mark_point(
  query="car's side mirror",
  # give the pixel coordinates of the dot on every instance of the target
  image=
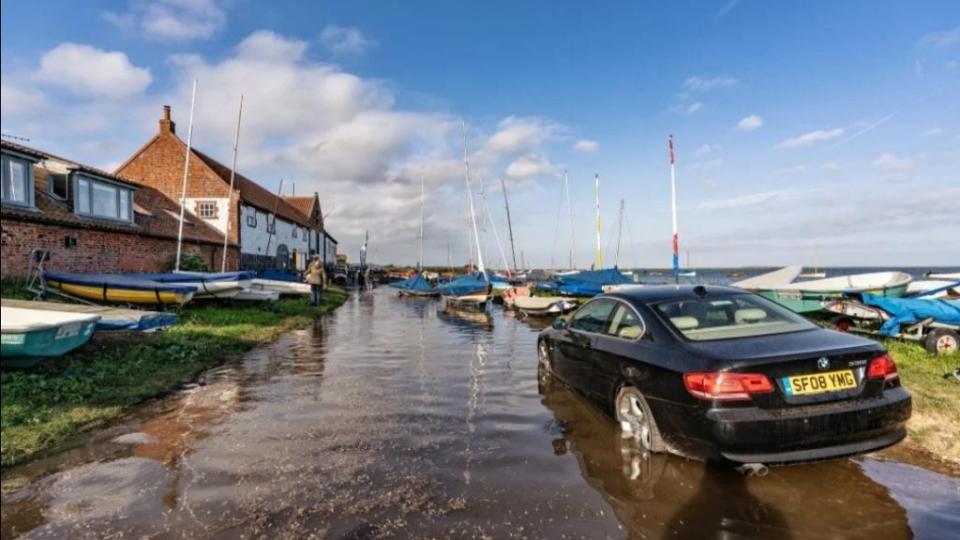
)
(559, 323)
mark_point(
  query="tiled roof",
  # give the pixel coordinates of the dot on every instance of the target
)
(303, 204)
(160, 220)
(33, 152)
(253, 194)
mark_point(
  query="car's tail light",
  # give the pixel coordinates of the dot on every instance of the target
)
(724, 386)
(882, 367)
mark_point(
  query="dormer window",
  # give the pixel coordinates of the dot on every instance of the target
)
(57, 185)
(101, 199)
(17, 176)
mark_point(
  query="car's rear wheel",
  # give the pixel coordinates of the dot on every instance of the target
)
(942, 341)
(636, 420)
(544, 369)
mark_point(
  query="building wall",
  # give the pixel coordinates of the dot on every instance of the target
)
(254, 240)
(95, 251)
(223, 209)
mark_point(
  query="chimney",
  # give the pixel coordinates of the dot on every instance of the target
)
(166, 124)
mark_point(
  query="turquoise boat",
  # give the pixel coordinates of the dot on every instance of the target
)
(27, 336)
(810, 296)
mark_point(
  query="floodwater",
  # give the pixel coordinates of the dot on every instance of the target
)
(391, 419)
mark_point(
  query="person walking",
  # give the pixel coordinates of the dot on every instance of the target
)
(316, 276)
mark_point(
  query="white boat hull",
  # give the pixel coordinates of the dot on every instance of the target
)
(280, 287)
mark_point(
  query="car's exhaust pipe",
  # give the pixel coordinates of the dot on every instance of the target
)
(753, 469)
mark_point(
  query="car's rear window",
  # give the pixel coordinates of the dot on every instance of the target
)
(735, 316)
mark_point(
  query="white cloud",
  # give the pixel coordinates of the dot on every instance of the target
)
(742, 201)
(812, 137)
(687, 109)
(517, 134)
(15, 100)
(705, 83)
(706, 149)
(890, 163)
(530, 166)
(85, 70)
(345, 40)
(941, 38)
(269, 46)
(749, 123)
(586, 146)
(933, 132)
(171, 20)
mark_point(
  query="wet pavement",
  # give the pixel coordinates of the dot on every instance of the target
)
(393, 419)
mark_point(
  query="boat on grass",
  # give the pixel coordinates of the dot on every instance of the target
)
(29, 335)
(770, 280)
(111, 318)
(208, 284)
(281, 287)
(120, 288)
(809, 296)
(934, 288)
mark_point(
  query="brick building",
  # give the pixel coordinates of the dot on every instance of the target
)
(272, 232)
(91, 220)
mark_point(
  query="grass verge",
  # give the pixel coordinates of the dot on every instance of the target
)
(44, 407)
(935, 423)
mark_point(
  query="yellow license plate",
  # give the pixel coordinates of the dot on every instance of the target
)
(818, 383)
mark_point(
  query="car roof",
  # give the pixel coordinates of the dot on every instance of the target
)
(651, 294)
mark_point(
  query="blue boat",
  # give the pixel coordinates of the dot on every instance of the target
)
(587, 283)
(465, 292)
(415, 286)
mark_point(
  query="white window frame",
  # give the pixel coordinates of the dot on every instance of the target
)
(252, 218)
(212, 206)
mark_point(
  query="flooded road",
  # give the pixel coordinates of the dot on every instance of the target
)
(391, 419)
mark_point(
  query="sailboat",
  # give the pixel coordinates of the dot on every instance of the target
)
(816, 274)
(418, 284)
(468, 292)
(689, 272)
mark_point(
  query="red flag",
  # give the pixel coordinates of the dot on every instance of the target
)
(670, 143)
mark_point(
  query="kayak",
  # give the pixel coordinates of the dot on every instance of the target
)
(119, 288)
(29, 335)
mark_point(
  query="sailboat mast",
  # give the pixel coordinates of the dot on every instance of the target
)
(186, 175)
(599, 258)
(573, 236)
(473, 214)
(673, 207)
(233, 174)
(420, 258)
(619, 234)
(506, 203)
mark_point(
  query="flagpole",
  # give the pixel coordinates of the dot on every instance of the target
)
(233, 173)
(673, 206)
(186, 174)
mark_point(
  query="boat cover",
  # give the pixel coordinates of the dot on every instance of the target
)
(463, 286)
(911, 310)
(117, 281)
(590, 283)
(489, 276)
(417, 283)
(194, 277)
(278, 275)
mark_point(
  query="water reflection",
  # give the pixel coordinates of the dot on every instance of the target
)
(658, 496)
(395, 418)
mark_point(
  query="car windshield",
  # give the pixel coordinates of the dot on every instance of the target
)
(738, 316)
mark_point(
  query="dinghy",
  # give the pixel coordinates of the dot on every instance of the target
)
(809, 296)
(588, 283)
(29, 335)
(465, 292)
(544, 305)
(934, 288)
(111, 318)
(770, 280)
(208, 285)
(280, 287)
(415, 286)
(119, 288)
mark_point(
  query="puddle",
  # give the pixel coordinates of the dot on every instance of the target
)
(389, 419)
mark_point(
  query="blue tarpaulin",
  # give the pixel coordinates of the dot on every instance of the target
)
(590, 283)
(463, 285)
(417, 284)
(910, 311)
(116, 281)
(195, 277)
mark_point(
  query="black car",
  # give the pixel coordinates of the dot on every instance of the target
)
(718, 373)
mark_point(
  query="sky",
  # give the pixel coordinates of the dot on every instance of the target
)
(827, 127)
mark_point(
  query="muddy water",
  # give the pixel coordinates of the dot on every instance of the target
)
(391, 419)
